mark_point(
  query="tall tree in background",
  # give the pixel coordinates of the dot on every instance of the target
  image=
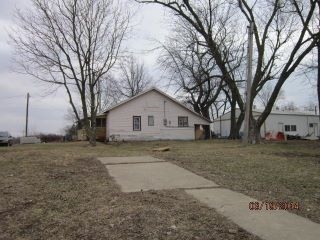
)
(285, 32)
(265, 93)
(198, 70)
(73, 44)
(283, 37)
(191, 69)
(131, 79)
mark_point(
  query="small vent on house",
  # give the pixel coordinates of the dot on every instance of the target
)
(165, 122)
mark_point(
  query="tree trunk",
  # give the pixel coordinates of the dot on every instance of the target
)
(254, 131)
(233, 120)
(239, 124)
(93, 132)
(93, 116)
(205, 112)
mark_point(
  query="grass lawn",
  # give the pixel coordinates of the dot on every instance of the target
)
(60, 191)
(271, 172)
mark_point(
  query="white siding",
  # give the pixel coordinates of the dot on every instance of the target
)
(275, 122)
(120, 119)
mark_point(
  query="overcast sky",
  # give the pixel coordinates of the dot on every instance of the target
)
(47, 112)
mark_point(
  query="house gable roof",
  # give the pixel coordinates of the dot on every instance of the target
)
(162, 93)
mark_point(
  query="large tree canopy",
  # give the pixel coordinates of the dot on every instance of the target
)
(285, 32)
(74, 44)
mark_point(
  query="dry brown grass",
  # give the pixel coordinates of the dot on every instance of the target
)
(285, 172)
(60, 191)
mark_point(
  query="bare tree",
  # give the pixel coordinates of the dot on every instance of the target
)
(265, 94)
(289, 106)
(131, 79)
(192, 70)
(195, 69)
(311, 106)
(73, 44)
(285, 32)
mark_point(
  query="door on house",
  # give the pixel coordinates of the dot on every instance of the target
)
(280, 127)
(198, 132)
(201, 132)
(313, 129)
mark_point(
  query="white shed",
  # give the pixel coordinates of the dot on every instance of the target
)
(289, 122)
(153, 115)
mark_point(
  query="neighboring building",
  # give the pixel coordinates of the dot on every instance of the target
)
(288, 122)
(154, 115)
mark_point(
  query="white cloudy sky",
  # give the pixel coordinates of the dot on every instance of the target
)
(47, 112)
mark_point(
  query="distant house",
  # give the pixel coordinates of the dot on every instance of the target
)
(154, 115)
(288, 122)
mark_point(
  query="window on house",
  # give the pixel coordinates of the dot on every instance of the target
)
(183, 122)
(136, 123)
(293, 128)
(150, 121)
(100, 122)
(290, 128)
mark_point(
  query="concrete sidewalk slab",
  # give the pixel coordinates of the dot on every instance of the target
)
(267, 224)
(155, 176)
(124, 160)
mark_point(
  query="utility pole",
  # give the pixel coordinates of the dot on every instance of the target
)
(27, 114)
(246, 136)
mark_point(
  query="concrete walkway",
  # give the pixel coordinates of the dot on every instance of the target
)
(267, 224)
(134, 174)
(148, 173)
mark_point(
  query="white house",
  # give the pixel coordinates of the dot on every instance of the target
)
(153, 115)
(288, 122)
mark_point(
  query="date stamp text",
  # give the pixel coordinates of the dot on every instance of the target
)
(274, 206)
